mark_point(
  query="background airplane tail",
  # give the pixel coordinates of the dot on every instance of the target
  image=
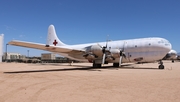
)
(52, 38)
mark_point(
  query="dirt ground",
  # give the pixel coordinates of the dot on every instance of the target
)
(21, 82)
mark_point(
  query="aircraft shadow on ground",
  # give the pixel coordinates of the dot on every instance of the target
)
(80, 69)
(54, 64)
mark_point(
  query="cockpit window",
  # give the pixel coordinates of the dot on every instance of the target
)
(163, 41)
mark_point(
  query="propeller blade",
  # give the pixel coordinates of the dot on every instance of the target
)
(120, 61)
(120, 58)
(103, 51)
(106, 44)
(99, 45)
(124, 55)
(103, 60)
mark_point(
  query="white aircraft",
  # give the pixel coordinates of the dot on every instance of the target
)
(171, 55)
(178, 56)
(116, 52)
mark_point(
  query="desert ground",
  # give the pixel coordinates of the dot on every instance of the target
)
(44, 82)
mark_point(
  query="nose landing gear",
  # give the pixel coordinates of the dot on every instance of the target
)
(161, 66)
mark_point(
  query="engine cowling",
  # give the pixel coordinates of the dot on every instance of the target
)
(90, 56)
(94, 49)
(115, 53)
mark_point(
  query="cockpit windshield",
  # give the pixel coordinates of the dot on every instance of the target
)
(164, 41)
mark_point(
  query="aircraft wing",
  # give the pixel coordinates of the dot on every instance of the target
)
(56, 49)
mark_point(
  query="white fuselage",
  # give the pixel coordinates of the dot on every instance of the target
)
(136, 50)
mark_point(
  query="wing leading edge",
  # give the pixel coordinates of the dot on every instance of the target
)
(56, 49)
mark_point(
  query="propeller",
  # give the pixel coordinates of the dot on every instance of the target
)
(120, 59)
(104, 52)
(122, 54)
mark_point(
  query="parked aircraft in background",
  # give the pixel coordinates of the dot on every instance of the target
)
(116, 52)
(171, 55)
(178, 56)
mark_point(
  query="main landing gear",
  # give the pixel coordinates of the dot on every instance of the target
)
(161, 66)
(96, 65)
(115, 64)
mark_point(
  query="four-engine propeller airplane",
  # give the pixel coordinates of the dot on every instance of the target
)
(116, 52)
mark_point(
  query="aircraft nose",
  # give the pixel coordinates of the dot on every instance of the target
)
(170, 46)
(167, 45)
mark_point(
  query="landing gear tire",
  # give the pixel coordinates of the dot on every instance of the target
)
(115, 64)
(161, 66)
(172, 61)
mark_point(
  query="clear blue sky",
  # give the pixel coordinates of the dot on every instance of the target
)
(83, 21)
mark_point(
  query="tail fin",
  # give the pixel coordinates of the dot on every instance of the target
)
(52, 38)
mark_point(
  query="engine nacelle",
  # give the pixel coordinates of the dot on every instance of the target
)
(115, 53)
(90, 56)
(109, 58)
(95, 49)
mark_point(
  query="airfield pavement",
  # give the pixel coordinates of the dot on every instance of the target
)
(60, 82)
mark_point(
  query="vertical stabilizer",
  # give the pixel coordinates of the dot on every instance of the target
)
(52, 38)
